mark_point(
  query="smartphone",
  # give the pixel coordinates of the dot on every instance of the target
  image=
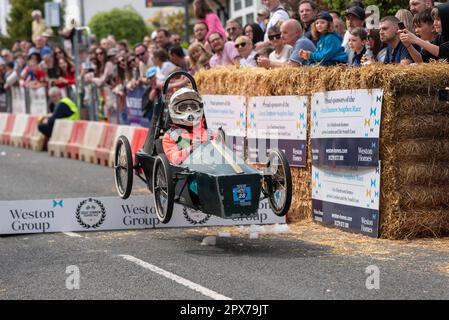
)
(443, 95)
(401, 25)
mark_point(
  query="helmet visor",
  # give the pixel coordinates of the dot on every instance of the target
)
(187, 106)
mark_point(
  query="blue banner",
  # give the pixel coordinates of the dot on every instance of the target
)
(133, 108)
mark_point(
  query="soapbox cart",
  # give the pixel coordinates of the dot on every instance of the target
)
(224, 185)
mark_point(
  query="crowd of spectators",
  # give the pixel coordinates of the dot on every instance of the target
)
(418, 34)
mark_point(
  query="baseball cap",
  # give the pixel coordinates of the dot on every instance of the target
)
(151, 72)
(357, 12)
(263, 12)
(325, 16)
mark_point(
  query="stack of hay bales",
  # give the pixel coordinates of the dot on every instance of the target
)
(414, 138)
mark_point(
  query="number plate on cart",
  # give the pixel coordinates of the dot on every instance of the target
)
(242, 194)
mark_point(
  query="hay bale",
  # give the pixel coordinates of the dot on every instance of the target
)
(417, 223)
(420, 104)
(423, 126)
(422, 151)
(414, 138)
(424, 197)
(424, 174)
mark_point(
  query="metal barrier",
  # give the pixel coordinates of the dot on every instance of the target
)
(99, 103)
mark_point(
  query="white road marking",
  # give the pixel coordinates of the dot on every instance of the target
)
(189, 284)
(72, 234)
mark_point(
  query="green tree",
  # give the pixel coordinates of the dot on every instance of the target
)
(386, 7)
(174, 22)
(123, 23)
(19, 21)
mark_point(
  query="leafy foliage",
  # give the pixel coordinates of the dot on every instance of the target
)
(172, 21)
(123, 23)
(19, 22)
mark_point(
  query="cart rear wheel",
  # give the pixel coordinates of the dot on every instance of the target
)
(163, 188)
(123, 167)
(279, 182)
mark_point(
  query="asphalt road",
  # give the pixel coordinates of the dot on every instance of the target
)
(172, 263)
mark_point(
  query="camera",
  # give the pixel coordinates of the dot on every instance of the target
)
(443, 95)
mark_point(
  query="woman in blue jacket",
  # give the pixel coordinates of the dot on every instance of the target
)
(329, 51)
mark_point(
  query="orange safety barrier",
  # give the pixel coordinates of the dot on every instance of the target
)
(32, 131)
(18, 130)
(76, 139)
(6, 135)
(29, 130)
(92, 137)
(138, 141)
(106, 144)
(127, 131)
(62, 131)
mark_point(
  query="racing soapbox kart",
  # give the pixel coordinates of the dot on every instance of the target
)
(225, 186)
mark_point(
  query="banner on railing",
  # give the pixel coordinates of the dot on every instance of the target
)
(3, 107)
(18, 100)
(38, 101)
(133, 107)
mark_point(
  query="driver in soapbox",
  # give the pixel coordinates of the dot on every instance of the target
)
(188, 130)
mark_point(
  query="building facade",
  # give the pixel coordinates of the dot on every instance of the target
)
(5, 7)
(244, 11)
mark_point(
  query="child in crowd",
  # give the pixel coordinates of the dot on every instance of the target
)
(424, 29)
(329, 51)
(357, 43)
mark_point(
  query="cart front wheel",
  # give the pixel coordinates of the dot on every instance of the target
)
(123, 167)
(163, 188)
(278, 183)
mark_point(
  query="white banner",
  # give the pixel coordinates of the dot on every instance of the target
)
(109, 213)
(356, 187)
(346, 114)
(278, 122)
(38, 101)
(282, 117)
(227, 112)
(18, 100)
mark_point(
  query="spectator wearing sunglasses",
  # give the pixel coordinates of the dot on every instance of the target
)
(292, 34)
(233, 30)
(282, 51)
(225, 52)
(145, 61)
(277, 14)
(244, 46)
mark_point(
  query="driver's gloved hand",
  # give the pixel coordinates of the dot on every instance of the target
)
(196, 142)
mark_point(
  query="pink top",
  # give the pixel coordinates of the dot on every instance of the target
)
(226, 57)
(213, 24)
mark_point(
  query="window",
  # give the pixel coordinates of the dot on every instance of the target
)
(239, 20)
(250, 18)
(248, 3)
(237, 5)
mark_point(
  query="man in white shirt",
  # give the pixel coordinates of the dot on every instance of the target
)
(277, 13)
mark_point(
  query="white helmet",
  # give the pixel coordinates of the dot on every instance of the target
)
(186, 107)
